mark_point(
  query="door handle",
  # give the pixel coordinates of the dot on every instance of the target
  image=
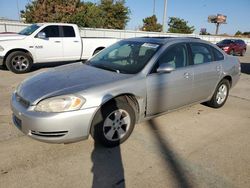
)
(218, 68)
(186, 75)
(57, 41)
(76, 41)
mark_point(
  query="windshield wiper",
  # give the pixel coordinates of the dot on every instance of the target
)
(101, 66)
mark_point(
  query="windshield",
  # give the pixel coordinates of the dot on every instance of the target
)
(29, 30)
(226, 42)
(128, 57)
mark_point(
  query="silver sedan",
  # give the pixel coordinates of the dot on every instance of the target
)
(131, 81)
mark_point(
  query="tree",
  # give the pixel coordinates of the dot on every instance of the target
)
(107, 14)
(178, 25)
(238, 33)
(50, 10)
(114, 13)
(150, 24)
(90, 15)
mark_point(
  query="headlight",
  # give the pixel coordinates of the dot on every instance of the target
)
(62, 103)
(1, 49)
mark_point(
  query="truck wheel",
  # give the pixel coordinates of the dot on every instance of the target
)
(3, 67)
(113, 123)
(243, 52)
(231, 52)
(97, 50)
(19, 62)
(220, 95)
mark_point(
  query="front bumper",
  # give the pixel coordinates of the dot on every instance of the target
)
(63, 127)
(1, 60)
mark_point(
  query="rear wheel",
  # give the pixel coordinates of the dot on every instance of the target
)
(231, 52)
(220, 95)
(19, 62)
(113, 123)
(97, 50)
(243, 52)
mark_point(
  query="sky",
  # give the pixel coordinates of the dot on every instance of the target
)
(193, 11)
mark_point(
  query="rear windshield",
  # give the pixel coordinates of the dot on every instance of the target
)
(226, 42)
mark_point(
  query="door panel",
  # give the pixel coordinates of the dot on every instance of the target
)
(206, 71)
(206, 77)
(72, 45)
(169, 90)
(49, 49)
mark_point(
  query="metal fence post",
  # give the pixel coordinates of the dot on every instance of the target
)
(5, 27)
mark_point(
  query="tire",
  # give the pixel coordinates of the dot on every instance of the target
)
(220, 95)
(3, 67)
(232, 52)
(113, 123)
(19, 62)
(97, 51)
(243, 52)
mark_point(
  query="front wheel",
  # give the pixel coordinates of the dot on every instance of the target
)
(220, 95)
(113, 123)
(19, 62)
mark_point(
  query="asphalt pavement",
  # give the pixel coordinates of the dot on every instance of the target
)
(193, 147)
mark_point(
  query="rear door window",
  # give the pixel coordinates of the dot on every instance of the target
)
(218, 56)
(68, 31)
(201, 53)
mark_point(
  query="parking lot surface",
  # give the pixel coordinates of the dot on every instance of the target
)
(193, 147)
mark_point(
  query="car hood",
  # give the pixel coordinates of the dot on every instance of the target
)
(6, 37)
(65, 80)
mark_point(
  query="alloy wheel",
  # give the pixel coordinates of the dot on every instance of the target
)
(221, 94)
(20, 63)
(116, 125)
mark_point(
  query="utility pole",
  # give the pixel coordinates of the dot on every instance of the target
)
(164, 27)
(18, 11)
(154, 8)
(217, 28)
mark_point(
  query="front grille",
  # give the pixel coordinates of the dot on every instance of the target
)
(22, 101)
(17, 122)
(49, 134)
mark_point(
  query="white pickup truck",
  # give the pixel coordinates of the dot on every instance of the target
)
(47, 42)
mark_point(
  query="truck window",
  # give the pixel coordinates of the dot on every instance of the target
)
(51, 31)
(68, 31)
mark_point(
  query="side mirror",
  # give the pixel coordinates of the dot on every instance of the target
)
(41, 35)
(165, 68)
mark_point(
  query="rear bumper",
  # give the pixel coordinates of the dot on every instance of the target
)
(63, 127)
(1, 60)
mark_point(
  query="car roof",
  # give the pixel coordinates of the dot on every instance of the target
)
(163, 40)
